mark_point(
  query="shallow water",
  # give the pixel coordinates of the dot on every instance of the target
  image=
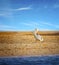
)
(34, 60)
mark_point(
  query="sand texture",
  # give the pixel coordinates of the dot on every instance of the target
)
(25, 44)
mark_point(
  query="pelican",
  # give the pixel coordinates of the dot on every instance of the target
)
(38, 37)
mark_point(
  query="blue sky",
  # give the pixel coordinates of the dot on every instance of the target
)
(26, 15)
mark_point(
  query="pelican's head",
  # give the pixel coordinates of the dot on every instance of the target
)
(36, 30)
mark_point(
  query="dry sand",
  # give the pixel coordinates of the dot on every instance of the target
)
(25, 44)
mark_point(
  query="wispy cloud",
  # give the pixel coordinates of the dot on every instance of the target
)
(23, 8)
(6, 26)
(40, 25)
(30, 23)
(56, 6)
(50, 24)
(45, 29)
(2, 14)
(9, 12)
(5, 13)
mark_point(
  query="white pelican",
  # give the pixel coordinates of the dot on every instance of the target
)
(38, 37)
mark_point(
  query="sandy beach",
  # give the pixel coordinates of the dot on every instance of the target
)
(25, 44)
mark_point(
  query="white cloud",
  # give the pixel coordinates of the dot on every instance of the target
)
(23, 8)
(9, 12)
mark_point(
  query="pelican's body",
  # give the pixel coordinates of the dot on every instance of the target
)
(38, 37)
